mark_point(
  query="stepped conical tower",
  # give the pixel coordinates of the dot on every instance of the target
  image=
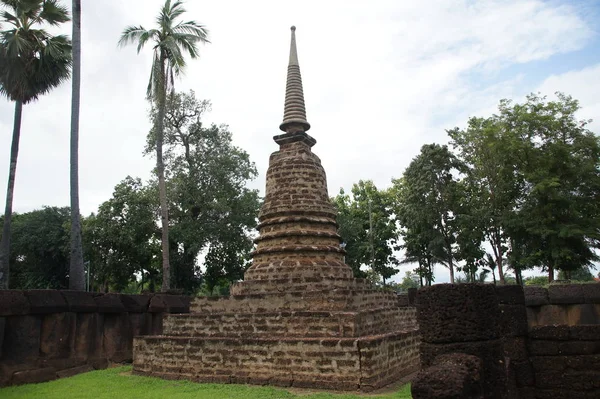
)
(299, 318)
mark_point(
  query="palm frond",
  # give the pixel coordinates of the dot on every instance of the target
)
(11, 19)
(193, 28)
(155, 82)
(173, 54)
(53, 13)
(187, 43)
(131, 34)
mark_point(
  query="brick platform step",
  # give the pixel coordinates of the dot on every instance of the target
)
(291, 324)
(281, 285)
(324, 300)
(364, 363)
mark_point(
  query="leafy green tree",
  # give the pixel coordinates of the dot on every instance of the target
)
(410, 280)
(121, 240)
(32, 62)
(368, 228)
(171, 40)
(40, 249)
(488, 150)
(581, 274)
(558, 219)
(351, 229)
(76, 273)
(211, 208)
(427, 200)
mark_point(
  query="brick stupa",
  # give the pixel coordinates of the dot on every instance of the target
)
(299, 318)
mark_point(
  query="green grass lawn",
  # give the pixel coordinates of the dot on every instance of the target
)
(117, 383)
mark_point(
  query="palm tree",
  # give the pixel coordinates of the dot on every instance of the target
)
(32, 62)
(170, 41)
(76, 276)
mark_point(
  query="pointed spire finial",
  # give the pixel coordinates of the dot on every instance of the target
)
(294, 115)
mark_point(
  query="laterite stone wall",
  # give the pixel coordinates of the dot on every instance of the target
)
(48, 334)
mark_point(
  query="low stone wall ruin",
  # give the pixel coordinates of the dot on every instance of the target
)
(532, 343)
(569, 304)
(47, 334)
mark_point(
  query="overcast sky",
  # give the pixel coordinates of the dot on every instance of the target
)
(381, 78)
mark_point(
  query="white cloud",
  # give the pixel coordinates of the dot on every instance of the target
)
(380, 81)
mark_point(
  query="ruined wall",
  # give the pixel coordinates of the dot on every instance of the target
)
(460, 319)
(47, 334)
(569, 304)
(566, 361)
(545, 341)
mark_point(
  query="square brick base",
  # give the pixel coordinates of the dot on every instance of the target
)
(347, 364)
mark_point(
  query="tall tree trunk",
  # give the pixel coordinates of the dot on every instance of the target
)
(76, 273)
(451, 267)
(499, 255)
(550, 273)
(162, 188)
(5, 242)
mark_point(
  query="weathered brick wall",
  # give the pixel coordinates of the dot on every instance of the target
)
(309, 300)
(291, 324)
(566, 361)
(331, 363)
(46, 334)
(569, 304)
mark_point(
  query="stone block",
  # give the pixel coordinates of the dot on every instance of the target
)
(136, 303)
(523, 372)
(573, 380)
(173, 303)
(109, 303)
(554, 333)
(458, 313)
(118, 337)
(99, 363)
(89, 332)
(157, 304)
(403, 300)
(61, 363)
(543, 347)
(510, 294)
(74, 371)
(591, 292)
(412, 296)
(579, 347)
(536, 296)
(45, 301)
(80, 301)
(21, 339)
(452, 376)
(157, 324)
(141, 323)
(550, 315)
(585, 332)
(515, 348)
(566, 294)
(57, 337)
(34, 376)
(513, 320)
(13, 303)
(585, 313)
(583, 362)
(491, 354)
